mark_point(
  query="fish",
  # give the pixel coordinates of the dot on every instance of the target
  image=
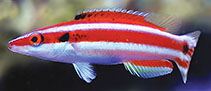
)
(140, 41)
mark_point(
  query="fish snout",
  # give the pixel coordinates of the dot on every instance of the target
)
(10, 47)
(10, 44)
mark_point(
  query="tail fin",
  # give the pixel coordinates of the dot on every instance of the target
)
(192, 38)
(183, 64)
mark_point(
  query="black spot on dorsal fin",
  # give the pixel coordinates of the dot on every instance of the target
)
(81, 16)
(77, 17)
(64, 37)
(89, 15)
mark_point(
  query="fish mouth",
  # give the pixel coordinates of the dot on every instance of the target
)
(17, 49)
(10, 45)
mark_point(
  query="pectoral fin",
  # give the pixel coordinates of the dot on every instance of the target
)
(149, 68)
(85, 71)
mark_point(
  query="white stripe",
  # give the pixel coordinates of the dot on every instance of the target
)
(107, 26)
(131, 47)
(110, 26)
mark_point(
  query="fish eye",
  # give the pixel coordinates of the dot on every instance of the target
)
(36, 39)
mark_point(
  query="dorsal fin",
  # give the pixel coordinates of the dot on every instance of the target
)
(114, 10)
(170, 23)
(119, 15)
(116, 16)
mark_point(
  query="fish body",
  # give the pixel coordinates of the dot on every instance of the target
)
(112, 36)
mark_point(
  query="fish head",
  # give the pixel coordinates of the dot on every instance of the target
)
(38, 45)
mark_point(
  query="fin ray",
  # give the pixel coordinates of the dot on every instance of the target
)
(85, 71)
(119, 15)
(170, 23)
(161, 22)
(149, 68)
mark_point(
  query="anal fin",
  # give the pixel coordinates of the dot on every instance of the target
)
(149, 68)
(85, 71)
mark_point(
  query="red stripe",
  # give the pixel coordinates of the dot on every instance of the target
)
(116, 36)
(21, 42)
(127, 37)
(190, 51)
(52, 37)
(182, 63)
(152, 63)
(110, 36)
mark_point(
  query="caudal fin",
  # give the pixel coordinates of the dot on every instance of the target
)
(192, 38)
(183, 64)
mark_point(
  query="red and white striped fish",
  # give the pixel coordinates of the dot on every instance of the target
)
(112, 36)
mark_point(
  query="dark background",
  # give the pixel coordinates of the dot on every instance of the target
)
(23, 73)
